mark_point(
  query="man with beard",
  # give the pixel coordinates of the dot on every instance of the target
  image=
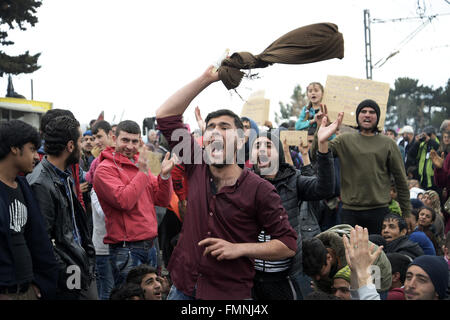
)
(66, 220)
(427, 279)
(367, 161)
(227, 208)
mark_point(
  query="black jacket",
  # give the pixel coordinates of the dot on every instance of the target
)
(56, 209)
(404, 246)
(294, 188)
(45, 269)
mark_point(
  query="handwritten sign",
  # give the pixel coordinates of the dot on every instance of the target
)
(293, 137)
(345, 93)
(154, 162)
(257, 108)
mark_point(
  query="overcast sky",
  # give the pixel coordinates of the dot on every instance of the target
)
(127, 57)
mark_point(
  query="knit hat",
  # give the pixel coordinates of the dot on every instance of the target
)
(437, 270)
(344, 273)
(371, 104)
(429, 130)
(87, 133)
(408, 129)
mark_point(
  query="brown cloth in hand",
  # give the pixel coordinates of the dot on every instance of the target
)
(312, 43)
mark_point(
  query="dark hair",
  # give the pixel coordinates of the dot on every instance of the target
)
(102, 124)
(320, 295)
(314, 256)
(138, 273)
(58, 132)
(126, 292)
(225, 112)
(311, 131)
(399, 263)
(400, 221)
(16, 133)
(128, 126)
(284, 125)
(377, 239)
(433, 213)
(393, 131)
(52, 114)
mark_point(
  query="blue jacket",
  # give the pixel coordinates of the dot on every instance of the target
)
(45, 268)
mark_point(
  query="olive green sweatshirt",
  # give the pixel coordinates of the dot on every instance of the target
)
(366, 165)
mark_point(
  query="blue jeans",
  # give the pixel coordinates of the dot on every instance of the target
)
(126, 258)
(175, 294)
(104, 276)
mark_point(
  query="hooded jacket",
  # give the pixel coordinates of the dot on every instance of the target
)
(128, 197)
(404, 246)
(294, 188)
(332, 238)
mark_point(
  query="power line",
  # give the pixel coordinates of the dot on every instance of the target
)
(375, 20)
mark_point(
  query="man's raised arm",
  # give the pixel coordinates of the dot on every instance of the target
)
(180, 100)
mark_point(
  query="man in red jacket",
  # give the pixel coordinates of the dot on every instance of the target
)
(128, 192)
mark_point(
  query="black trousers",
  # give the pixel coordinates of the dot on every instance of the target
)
(371, 219)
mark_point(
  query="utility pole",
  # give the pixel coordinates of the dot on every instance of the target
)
(368, 44)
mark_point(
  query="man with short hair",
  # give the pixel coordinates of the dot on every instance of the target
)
(28, 268)
(66, 219)
(87, 144)
(226, 210)
(324, 255)
(102, 133)
(394, 231)
(128, 193)
(427, 279)
(146, 277)
(391, 133)
(367, 161)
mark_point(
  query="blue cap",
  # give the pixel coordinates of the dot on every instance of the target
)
(87, 133)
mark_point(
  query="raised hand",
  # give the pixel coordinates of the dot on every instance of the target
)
(437, 161)
(201, 123)
(326, 131)
(360, 255)
(211, 74)
(168, 164)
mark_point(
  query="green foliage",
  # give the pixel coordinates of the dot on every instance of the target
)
(17, 14)
(292, 109)
(417, 105)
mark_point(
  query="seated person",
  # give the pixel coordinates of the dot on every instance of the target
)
(394, 231)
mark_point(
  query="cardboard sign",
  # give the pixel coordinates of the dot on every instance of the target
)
(345, 93)
(293, 137)
(257, 108)
(154, 162)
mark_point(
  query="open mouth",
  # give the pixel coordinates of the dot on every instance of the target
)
(263, 160)
(216, 148)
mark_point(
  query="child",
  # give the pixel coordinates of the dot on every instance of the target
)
(314, 92)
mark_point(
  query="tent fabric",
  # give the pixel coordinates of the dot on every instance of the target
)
(311, 43)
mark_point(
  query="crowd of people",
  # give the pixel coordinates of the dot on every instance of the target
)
(233, 212)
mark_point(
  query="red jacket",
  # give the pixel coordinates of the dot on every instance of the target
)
(128, 197)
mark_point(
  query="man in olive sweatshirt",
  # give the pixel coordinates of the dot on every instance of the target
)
(368, 161)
